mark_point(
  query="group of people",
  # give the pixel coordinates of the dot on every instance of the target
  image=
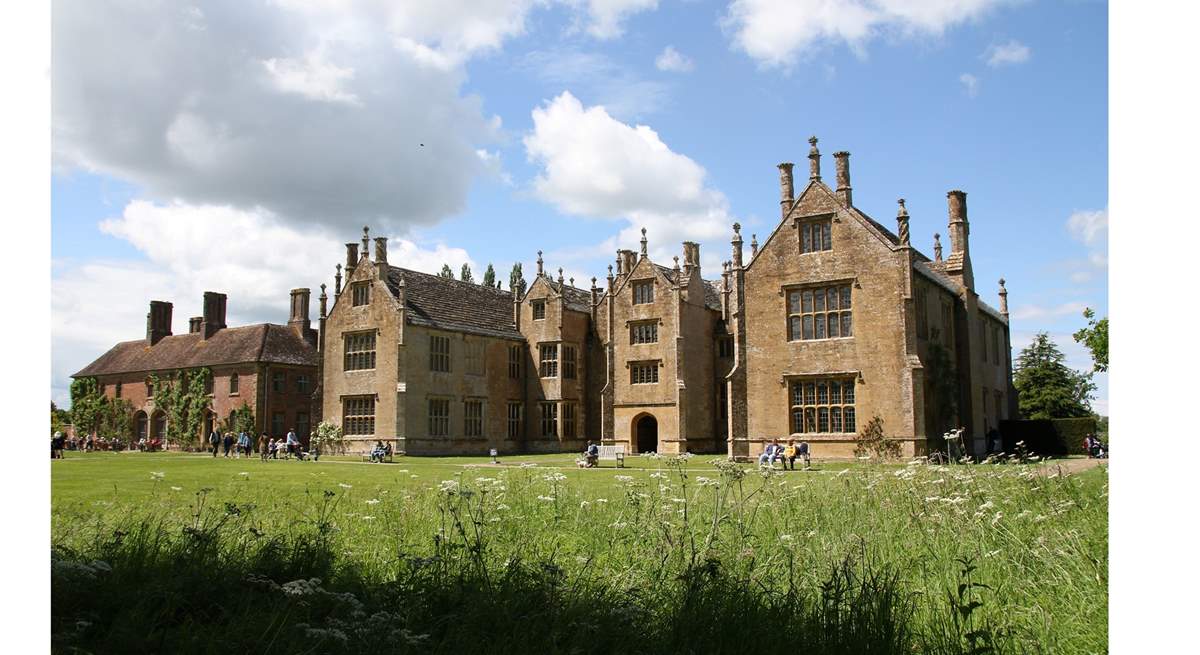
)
(268, 447)
(381, 451)
(60, 443)
(591, 456)
(1094, 447)
(776, 452)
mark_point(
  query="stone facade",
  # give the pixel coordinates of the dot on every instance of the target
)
(833, 320)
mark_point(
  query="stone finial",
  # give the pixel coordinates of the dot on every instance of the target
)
(1003, 299)
(337, 282)
(937, 247)
(676, 258)
(644, 242)
(560, 277)
(572, 281)
(902, 222)
(539, 262)
(610, 273)
(593, 282)
(753, 245)
(814, 159)
(366, 239)
(324, 301)
(737, 245)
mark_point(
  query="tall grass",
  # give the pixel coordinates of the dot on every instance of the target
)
(984, 558)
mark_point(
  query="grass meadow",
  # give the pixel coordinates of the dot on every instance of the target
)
(183, 553)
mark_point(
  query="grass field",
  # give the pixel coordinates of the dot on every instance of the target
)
(181, 552)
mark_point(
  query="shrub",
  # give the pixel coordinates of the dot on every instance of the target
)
(873, 443)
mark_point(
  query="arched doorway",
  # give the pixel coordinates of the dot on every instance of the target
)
(645, 429)
(141, 425)
(209, 419)
(158, 425)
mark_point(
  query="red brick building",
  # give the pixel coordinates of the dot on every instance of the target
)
(270, 368)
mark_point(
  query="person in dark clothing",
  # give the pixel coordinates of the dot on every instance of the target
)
(228, 443)
(214, 440)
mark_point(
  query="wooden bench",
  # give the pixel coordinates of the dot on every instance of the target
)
(615, 453)
(389, 454)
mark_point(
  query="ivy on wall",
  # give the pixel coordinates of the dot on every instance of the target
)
(183, 396)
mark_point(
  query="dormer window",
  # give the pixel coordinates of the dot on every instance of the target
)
(816, 236)
(643, 292)
(361, 293)
(539, 310)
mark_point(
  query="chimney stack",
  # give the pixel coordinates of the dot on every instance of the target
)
(814, 160)
(691, 257)
(842, 160)
(299, 315)
(628, 261)
(351, 260)
(158, 321)
(381, 262)
(786, 191)
(214, 313)
(958, 220)
(195, 324)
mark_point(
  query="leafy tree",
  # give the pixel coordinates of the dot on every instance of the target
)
(446, 272)
(465, 275)
(489, 276)
(1046, 387)
(59, 418)
(115, 418)
(516, 280)
(240, 420)
(1095, 337)
(86, 405)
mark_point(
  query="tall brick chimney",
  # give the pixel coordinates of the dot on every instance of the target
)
(958, 264)
(381, 262)
(214, 313)
(195, 324)
(351, 259)
(158, 321)
(691, 257)
(787, 193)
(842, 161)
(628, 261)
(298, 319)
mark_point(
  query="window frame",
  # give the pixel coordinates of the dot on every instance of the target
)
(475, 357)
(548, 367)
(822, 402)
(302, 383)
(818, 311)
(438, 423)
(235, 384)
(515, 424)
(365, 417)
(439, 357)
(539, 309)
(650, 369)
(117, 390)
(821, 226)
(642, 291)
(725, 347)
(360, 294)
(278, 381)
(515, 356)
(570, 361)
(473, 425)
(358, 350)
(637, 330)
(549, 418)
(569, 420)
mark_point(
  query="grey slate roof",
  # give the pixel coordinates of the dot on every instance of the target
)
(264, 342)
(454, 305)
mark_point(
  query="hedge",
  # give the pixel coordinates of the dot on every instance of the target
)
(1049, 437)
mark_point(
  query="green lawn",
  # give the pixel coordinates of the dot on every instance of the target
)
(666, 552)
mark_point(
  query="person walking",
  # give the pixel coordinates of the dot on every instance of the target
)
(214, 440)
(262, 446)
(244, 444)
(228, 443)
(293, 444)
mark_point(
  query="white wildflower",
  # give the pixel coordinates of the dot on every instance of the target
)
(373, 501)
(546, 498)
(659, 475)
(176, 488)
(157, 475)
(345, 486)
(624, 479)
(786, 538)
(244, 473)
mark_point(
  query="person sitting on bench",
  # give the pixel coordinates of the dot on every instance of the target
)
(591, 455)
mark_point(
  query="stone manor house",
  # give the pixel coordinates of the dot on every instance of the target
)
(832, 320)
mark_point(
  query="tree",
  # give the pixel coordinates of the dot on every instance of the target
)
(115, 418)
(873, 443)
(1046, 387)
(516, 281)
(86, 405)
(1095, 337)
(465, 275)
(446, 272)
(59, 418)
(489, 276)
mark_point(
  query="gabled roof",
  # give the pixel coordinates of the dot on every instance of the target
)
(261, 343)
(712, 295)
(454, 305)
(934, 273)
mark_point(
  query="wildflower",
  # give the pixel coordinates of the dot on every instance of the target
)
(707, 482)
(373, 501)
(244, 473)
(617, 525)
(678, 500)
(601, 500)
(157, 475)
(1039, 518)
(448, 486)
(344, 485)
(554, 477)
(301, 587)
(176, 488)
(786, 538)
(1024, 513)
(414, 476)
(624, 479)
(528, 465)
(367, 518)
(988, 505)
(584, 504)
(659, 474)
(501, 507)
(992, 553)
(840, 473)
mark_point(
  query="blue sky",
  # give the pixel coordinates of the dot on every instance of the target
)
(236, 146)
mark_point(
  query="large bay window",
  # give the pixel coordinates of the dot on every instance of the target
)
(822, 406)
(819, 313)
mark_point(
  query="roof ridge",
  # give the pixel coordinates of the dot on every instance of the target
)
(405, 271)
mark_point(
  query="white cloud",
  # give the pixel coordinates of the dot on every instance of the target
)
(593, 165)
(189, 249)
(302, 110)
(1031, 312)
(605, 18)
(1088, 227)
(777, 32)
(1013, 52)
(970, 84)
(672, 60)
